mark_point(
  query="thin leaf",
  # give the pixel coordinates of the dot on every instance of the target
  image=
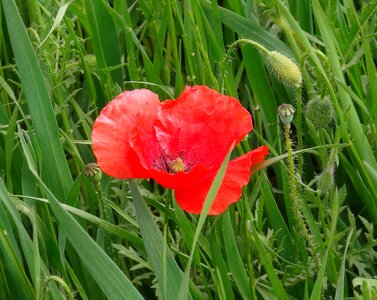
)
(275, 159)
(203, 216)
(249, 28)
(57, 21)
(235, 263)
(111, 279)
(339, 294)
(156, 247)
(55, 169)
(272, 275)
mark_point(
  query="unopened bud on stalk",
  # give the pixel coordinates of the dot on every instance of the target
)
(286, 113)
(91, 61)
(284, 68)
(325, 181)
(320, 112)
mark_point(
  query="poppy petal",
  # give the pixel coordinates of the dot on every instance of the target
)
(182, 179)
(201, 125)
(237, 175)
(119, 125)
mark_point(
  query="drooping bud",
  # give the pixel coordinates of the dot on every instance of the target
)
(320, 112)
(91, 61)
(325, 181)
(286, 113)
(284, 68)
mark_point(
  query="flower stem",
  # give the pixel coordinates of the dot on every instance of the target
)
(61, 282)
(300, 160)
(250, 42)
(296, 200)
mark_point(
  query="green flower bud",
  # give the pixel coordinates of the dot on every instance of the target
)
(325, 181)
(320, 112)
(284, 68)
(91, 61)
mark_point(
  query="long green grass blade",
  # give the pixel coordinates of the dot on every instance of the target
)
(339, 294)
(16, 276)
(249, 28)
(234, 260)
(107, 32)
(219, 263)
(203, 216)
(110, 278)
(272, 275)
(354, 126)
(317, 288)
(156, 248)
(9, 209)
(55, 171)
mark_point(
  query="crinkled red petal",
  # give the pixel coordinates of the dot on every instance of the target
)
(201, 125)
(182, 179)
(118, 126)
(191, 198)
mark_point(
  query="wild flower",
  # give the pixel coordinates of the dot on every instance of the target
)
(180, 143)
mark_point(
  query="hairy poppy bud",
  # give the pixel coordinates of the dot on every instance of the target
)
(325, 181)
(286, 113)
(284, 68)
(320, 112)
(91, 61)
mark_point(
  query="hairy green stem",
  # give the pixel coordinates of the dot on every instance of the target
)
(61, 282)
(296, 201)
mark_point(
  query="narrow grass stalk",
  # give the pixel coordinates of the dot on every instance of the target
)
(158, 254)
(203, 216)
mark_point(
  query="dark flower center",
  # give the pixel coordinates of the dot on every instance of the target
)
(164, 163)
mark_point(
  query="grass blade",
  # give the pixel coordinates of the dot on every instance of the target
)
(273, 277)
(111, 279)
(155, 247)
(234, 259)
(249, 28)
(317, 289)
(360, 141)
(339, 294)
(203, 216)
(21, 287)
(221, 280)
(55, 169)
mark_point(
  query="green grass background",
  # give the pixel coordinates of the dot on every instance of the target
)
(62, 237)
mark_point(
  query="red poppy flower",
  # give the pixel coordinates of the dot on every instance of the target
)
(179, 143)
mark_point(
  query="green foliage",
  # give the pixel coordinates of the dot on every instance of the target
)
(65, 236)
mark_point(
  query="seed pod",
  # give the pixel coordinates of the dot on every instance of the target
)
(286, 113)
(93, 172)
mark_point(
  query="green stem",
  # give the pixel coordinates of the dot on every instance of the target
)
(247, 41)
(296, 201)
(62, 283)
(300, 159)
